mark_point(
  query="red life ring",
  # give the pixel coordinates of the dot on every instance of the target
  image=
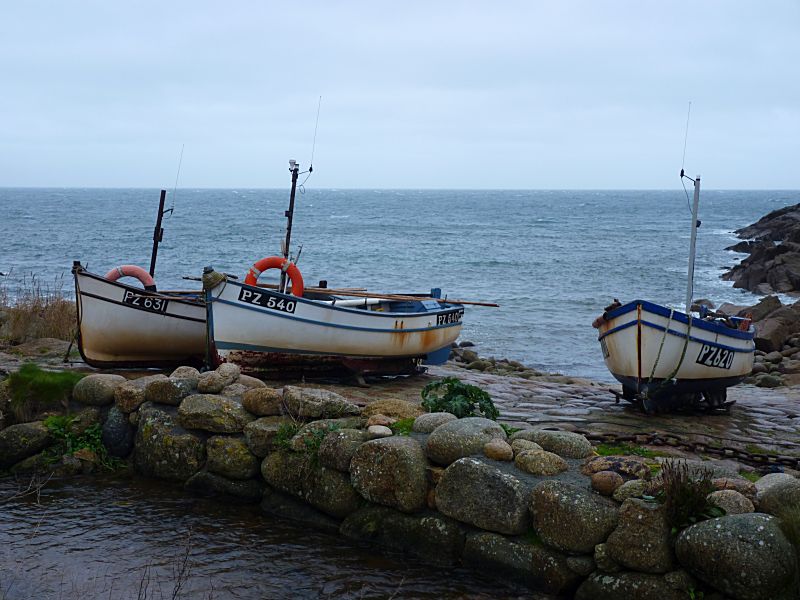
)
(277, 262)
(132, 271)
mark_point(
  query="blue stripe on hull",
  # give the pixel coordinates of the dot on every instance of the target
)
(677, 334)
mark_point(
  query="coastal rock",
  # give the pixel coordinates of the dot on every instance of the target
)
(311, 434)
(460, 438)
(251, 382)
(581, 565)
(263, 401)
(213, 413)
(540, 462)
(731, 501)
(231, 458)
(769, 480)
(117, 433)
(380, 419)
(522, 445)
(769, 381)
(571, 519)
(326, 489)
(538, 566)
(606, 482)
(432, 537)
(234, 391)
(166, 451)
(189, 373)
(399, 409)
(427, 422)
(97, 389)
(207, 483)
(630, 489)
(338, 447)
(603, 560)
(311, 403)
(739, 484)
(630, 586)
(779, 496)
(229, 373)
(21, 441)
(129, 395)
(284, 506)
(260, 434)
(564, 443)
(168, 391)
(391, 472)
(773, 331)
(378, 431)
(630, 467)
(462, 495)
(211, 382)
(745, 556)
(641, 541)
(498, 450)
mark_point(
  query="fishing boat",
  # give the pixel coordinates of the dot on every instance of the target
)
(667, 358)
(122, 325)
(289, 328)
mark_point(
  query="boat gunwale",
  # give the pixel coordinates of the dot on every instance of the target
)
(210, 299)
(172, 296)
(678, 316)
(676, 334)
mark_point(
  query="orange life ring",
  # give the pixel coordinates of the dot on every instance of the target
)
(277, 262)
(132, 271)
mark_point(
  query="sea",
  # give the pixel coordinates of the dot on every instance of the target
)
(551, 259)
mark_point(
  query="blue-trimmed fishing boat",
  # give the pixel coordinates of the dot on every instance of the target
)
(668, 358)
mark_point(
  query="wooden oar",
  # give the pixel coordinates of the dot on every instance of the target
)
(401, 297)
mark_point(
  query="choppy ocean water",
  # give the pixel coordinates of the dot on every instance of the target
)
(551, 259)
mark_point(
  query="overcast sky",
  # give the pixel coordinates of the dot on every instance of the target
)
(414, 94)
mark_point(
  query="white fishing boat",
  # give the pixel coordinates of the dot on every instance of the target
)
(669, 358)
(290, 329)
(122, 326)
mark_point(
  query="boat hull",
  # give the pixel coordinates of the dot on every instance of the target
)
(645, 344)
(123, 326)
(263, 330)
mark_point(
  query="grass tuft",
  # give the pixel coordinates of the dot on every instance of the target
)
(36, 310)
(33, 390)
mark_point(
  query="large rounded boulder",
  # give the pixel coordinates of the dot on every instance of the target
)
(480, 494)
(463, 437)
(745, 556)
(312, 403)
(97, 389)
(213, 413)
(571, 519)
(391, 471)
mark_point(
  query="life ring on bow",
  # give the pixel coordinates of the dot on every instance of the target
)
(132, 271)
(277, 262)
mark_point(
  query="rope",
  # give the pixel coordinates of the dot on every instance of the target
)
(678, 366)
(661, 347)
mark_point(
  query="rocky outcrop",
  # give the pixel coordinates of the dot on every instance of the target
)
(460, 438)
(391, 472)
(745, 556)
(461, 494)
(569, 518)
(774, 261)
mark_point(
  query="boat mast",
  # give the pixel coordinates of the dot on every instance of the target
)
(294, 169)
(695, 223)
(158, 233)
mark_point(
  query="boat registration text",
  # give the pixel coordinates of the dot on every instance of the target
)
(158, 305)
(450, 317)
(712, 356)
(267, 300)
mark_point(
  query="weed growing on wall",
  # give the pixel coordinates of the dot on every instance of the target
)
(461, 399)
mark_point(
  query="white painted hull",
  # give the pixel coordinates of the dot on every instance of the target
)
(642, 342)
(240, 322)
(124, 326)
